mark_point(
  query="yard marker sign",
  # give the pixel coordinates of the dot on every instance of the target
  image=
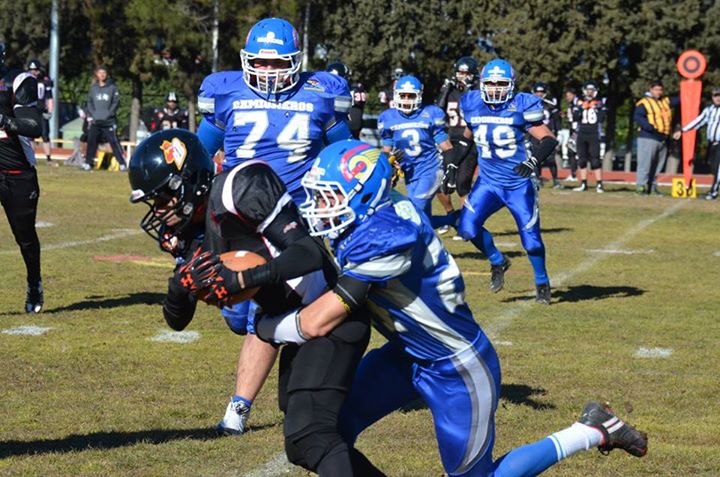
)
(691, 65)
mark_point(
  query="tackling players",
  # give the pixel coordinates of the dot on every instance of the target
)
(497, 120)
(435, 351)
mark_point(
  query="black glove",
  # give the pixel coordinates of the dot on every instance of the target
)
(450, 180)
(526, 167)
(222, 285)
(195, 271)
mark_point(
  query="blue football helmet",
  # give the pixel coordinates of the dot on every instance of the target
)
(271, 39)
(347, 182)
(407, 94)
(497, 81)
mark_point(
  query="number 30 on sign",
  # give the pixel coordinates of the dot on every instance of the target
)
(680, 191)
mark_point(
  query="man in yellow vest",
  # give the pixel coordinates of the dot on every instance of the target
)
(653, 114)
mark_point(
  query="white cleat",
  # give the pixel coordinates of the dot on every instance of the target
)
(234, 422)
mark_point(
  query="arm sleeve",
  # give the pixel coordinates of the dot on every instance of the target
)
(178, 306)
(299, 255)
(441, 101)
(352, 292)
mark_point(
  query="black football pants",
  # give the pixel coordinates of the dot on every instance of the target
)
(19, 193)
(314, 381)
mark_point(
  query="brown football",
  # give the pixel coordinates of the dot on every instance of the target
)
(238, 261)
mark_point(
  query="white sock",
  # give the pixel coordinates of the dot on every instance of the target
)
(574, 439)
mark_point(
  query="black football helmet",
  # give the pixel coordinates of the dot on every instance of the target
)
(466, 71)
(540, 88)
(170, 165)
(339, 68)
(171, 96)
(34, 64)
(590, 90)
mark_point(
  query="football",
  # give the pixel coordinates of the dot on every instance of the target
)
(238, 261)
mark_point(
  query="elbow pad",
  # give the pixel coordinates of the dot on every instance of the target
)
(545, 148)
(351, 292)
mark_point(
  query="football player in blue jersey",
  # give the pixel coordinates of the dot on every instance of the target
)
(418, 131)
(497, 120)
(435, 351)
(270, 110)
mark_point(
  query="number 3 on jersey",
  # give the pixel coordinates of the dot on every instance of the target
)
(502, 141)
(295, 136)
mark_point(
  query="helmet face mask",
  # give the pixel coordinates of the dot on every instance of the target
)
(497, 82)
(590, 90)
(271, 57)
(347, 182)
(171, 173)
(407, 94)
(466, 70)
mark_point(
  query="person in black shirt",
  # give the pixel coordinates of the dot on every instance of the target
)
(46, 103)
(171, 116)
(551, 118)
(465, 74)
(589, 114)
(248, 208)
(19, 190)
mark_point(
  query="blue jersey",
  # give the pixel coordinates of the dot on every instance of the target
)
(288, 133)
(499, 134)
(418, 294)
(417, 134)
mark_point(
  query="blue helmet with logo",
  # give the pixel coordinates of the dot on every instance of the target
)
(347, 182)
(407, 94)
(497, 81)
(271, 39)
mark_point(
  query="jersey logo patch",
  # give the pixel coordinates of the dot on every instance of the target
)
(175, 152)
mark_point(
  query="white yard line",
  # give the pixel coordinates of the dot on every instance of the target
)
(181, 337)
(504, 320)
(120, 233)
(278, 465)
(28, 330)
(653, 353)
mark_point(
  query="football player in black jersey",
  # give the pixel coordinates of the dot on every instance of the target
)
(465, 75)
(19, 190)
(551, 118)
(358, 94)
(171, 116)
(248, 208)
(589, 114)
(46, 103)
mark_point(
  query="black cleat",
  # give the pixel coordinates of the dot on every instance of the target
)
(616, 433)
(542, 293)
(34, 298)
(497, 278)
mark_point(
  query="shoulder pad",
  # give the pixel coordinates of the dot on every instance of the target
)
(328, 85)
(214, 84)
(531, 107)
(391, 235)
(437, 115)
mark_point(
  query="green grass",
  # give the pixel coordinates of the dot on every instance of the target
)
(94, 396)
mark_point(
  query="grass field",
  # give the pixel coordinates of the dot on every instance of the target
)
(634, 321)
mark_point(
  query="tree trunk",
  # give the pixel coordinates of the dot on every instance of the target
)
(135, 106)
(191, 115)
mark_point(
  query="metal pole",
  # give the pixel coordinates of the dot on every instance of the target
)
(215, 34)
(54, 60)
(306, 36)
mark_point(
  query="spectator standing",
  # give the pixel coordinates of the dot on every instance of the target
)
(46, 103)
(171, 116)
(653, 114)
(19, 189)
(710, 116)
(102, 105)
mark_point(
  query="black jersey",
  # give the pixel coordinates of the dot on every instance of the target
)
(355, 115)
(167, 119)
(250, 209)
(589, 114)
(551, 114)
(449, 101)
(45, 92)
(16, 89)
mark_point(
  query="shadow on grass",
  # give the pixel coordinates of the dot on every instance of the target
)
(481, 256)
(107, 440)
(521, 394)
(574, 294)
(96, 302)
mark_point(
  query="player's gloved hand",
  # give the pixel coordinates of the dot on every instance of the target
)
(218, 283)
(526, 167)
(449, 183)
(448, 82)
(196, 271)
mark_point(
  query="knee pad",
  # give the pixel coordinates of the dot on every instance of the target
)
(311, 426)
